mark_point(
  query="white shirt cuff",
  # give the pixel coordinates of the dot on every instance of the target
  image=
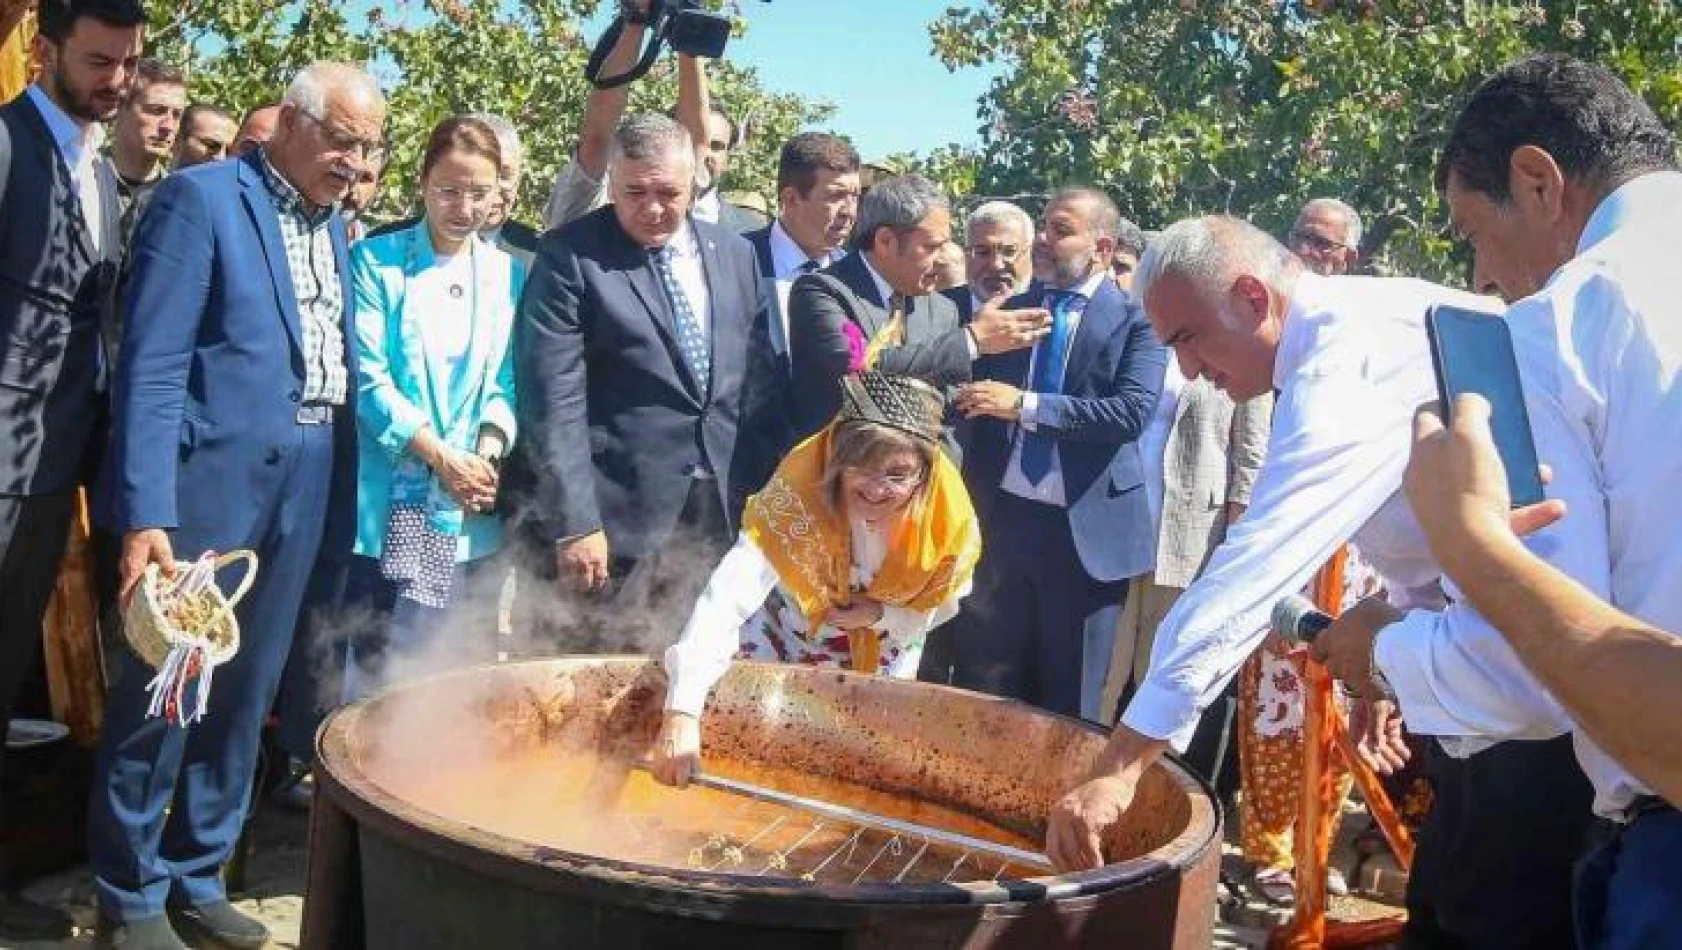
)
(1162, 714)
(1029, 417)
(686, 694)
(974, 348)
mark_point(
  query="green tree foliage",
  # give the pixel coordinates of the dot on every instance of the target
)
(1253, 106)
(440, 57)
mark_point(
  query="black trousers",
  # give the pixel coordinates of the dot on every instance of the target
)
(33, 533)
(1494, 863)
(647, 599)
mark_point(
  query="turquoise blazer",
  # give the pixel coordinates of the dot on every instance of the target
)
(399, 389)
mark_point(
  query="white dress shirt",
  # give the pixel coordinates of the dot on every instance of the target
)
(788, 262)
(1352, 365)
(691, 274)
(1049, 490)
(78, 145)
(738, 588)
(1600, 351)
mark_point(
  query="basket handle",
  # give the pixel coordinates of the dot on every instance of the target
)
(234, 557)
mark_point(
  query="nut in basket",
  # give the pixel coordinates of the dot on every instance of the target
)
(184, 627)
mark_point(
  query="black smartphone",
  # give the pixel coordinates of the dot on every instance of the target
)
(1472, 352)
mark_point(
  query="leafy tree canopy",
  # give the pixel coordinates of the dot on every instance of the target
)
(1253, 106)
(440, 57)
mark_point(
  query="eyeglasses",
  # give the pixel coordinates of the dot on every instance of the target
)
(368, 150)
(1004, 252)
(1317, 243)
(454, 195)
(900, 483)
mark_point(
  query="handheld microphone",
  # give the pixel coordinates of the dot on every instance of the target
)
(1298, 620)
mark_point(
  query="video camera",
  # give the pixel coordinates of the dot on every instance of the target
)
(689, 27)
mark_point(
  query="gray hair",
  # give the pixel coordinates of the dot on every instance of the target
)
(999, 213)
(311, 87)
(1130, 238)
(900, 203)
(1210, 252)
(646, 137)
(507, 137)
(1352, 226)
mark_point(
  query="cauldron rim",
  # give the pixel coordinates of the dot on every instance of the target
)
(341, 778)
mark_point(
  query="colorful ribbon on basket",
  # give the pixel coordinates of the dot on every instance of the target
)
(189, 659)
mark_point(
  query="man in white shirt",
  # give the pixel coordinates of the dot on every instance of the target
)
(1349, 361)
(817, 202)
(1566, 186)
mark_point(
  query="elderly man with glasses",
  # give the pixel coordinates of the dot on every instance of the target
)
(234, 429)
(1327, 236)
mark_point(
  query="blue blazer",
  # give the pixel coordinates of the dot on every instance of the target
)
(1110, 388)
(400, 388)
(211, 370)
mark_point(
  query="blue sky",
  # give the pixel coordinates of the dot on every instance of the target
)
(872, 59)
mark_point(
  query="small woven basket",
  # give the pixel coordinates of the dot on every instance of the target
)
(152, 635)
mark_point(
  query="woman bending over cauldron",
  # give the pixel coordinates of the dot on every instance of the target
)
(864, 540)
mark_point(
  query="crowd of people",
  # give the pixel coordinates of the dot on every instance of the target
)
(1042, 455)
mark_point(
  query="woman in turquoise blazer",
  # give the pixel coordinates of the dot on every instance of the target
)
(435, 415)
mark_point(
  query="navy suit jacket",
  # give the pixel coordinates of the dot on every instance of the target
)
(211, 370)
(612, 418)
(1110, 387)
(57, 299)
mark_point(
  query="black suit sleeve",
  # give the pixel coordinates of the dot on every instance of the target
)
(942, 361)
(766, 430)
(818, 353)
(550, 385)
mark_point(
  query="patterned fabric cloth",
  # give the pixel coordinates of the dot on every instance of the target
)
(1270, 711)
(419, 558)
(778, 633)
(690, 338)
(315, 284)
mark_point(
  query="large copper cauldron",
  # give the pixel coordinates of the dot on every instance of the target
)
(388, 872)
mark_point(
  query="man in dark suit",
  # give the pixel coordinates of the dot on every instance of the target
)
(234, 428)
(641, 349)
(882, 296)
(1058, 482)
(817, 201)
(60, 243)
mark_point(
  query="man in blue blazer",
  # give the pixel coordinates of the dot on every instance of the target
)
(233, 428)
(646, 387)
(1051, 461)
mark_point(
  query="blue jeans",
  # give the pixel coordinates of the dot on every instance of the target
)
(1629, 889)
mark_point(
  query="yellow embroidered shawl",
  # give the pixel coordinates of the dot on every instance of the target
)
(930, 556)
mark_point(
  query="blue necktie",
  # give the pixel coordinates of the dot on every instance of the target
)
(690, 340)
(1053, 352)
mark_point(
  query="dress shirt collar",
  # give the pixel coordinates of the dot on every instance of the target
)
(73, 139)
(1656, 195)
(1295, 343)
(683, 242)
(287, 198)
(884, 290)
(787, 257)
